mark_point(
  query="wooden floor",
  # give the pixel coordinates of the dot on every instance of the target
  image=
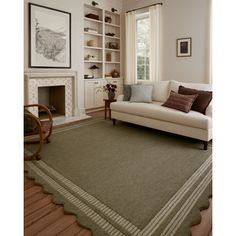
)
(43, 217)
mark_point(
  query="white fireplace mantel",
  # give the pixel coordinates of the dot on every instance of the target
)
(34, 80)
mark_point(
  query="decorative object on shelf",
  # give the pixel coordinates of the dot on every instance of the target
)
(90, 57)
(50, 44)
(90, 30)
(88, 76)
(110, 34)
(110, 89)
(184, 47)
(110, 56)
(115, 73)
(92, 16)
(112, 45)
(92, 43)
(108, 19)
(113, 9)
(93, 68)
(94, 3)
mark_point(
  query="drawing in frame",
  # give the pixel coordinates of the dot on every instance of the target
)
(184, 47)
(49, 37)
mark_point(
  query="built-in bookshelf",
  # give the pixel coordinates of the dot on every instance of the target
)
(102, 35)
(102, 53)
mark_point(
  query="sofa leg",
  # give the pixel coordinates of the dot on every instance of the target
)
(205, 144)
(114, 121)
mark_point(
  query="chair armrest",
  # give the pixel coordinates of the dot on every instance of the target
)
(120, 98)
(42, 107)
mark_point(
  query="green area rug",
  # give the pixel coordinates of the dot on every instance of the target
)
(126, 179)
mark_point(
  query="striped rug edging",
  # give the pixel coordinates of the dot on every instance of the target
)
(177, 220)
(155, 222)
(107, 211)
(67, 128)
(158, 219)
(96, 218)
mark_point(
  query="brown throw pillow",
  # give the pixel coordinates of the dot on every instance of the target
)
(180, 102)
(202, 101)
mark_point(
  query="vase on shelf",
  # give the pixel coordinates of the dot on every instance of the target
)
(111, 95)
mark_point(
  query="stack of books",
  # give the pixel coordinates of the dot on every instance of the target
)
(90, 30)
(88, 76)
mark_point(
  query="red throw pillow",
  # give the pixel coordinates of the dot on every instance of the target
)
(180, 102)
(202, 101)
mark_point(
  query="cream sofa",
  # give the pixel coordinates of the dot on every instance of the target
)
(153, 115)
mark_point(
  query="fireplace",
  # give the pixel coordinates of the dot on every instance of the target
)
(54, 98)
(58, 90)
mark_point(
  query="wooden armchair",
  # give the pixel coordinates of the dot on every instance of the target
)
(36, 130)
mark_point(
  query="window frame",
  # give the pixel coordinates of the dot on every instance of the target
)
(140, 16)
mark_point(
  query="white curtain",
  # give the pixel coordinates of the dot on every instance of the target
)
(131, 54)
(155, 53)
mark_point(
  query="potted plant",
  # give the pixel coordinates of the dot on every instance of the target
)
(110, 89)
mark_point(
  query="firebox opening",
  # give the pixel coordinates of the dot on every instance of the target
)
(54, 98)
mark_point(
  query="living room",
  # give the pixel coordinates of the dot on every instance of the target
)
(113, 175)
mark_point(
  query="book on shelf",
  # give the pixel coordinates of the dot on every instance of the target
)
(88, 76)
(90, 30)
(108, 76)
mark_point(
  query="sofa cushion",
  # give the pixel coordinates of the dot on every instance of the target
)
(141, 93)
(161, 91)
(174, 85)
(180, 102)
(127, 92)
(202, 101)
(156, 111)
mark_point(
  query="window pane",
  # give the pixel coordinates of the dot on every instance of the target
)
(143, 48)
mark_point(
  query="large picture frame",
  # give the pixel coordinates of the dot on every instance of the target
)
(49, 37)
(184, 47)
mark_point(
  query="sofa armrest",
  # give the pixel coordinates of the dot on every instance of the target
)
(209, 110)
(120, 97)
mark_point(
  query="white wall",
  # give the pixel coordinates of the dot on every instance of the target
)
(180, 19)
(75, 7)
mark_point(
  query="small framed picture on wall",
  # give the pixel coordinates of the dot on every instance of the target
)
(184, 47)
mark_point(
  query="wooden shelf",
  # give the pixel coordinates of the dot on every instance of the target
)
(112, 62)
(95, 34)
(113, 50)
(86, 61)
(112, 13)
(92, 20)
(96, 48)
(112, 37)
(113, 25)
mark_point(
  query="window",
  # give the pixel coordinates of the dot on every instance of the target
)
(143, 45)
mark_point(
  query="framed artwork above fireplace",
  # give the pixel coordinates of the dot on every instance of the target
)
(49, 37)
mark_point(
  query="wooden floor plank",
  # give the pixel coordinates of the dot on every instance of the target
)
(36, 215)
(31, 191)
(36, 197)
(71, 230)
(37, 205)
(84, 232)
(204, 228)
(28, 184)
(58, 226)
(44, 222)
